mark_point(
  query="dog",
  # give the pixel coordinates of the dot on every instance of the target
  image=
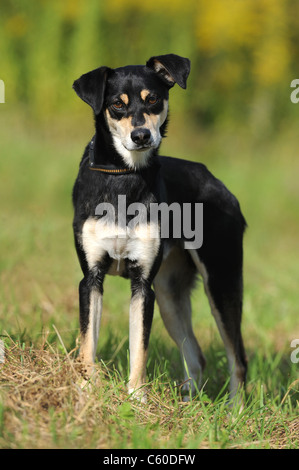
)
(130, 107)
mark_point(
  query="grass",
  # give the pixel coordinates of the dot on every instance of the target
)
(41, 404)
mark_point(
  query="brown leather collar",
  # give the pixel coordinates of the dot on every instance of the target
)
(108, 169)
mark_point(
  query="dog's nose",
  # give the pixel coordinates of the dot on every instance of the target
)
(141, 136)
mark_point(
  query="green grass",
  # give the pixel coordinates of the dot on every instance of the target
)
(41, 404)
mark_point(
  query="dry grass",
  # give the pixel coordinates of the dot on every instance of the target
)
(43, 400)
(43, 406)
(285, 435)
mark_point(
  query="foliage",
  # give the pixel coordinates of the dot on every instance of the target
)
(243, 53)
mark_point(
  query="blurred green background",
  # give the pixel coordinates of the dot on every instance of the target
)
(236, 116)
(243, 53)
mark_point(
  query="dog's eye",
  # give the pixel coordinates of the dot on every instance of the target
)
(152, 99)
(118, 104)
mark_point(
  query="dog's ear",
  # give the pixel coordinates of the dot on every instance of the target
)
(171, 68)
(90, 87)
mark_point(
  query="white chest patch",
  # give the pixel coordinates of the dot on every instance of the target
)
(140, 243)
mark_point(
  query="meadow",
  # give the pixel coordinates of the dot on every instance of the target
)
(236, 117)
(41, 404)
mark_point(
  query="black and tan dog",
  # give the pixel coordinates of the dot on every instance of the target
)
(130, 106)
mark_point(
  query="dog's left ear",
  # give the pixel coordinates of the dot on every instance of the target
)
(90, 87)
(171, 68)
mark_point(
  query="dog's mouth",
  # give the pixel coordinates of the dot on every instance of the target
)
(139, 148)
(144, 148)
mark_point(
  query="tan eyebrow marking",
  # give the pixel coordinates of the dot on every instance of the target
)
(124, 97)
(144, 94)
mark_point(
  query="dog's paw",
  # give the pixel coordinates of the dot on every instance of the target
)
(188, 390)
(138, 394)
(86, 374)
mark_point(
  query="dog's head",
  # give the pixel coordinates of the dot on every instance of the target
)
(134, 102)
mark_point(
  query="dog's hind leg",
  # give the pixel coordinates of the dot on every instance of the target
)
(222, 278)
(173, 285)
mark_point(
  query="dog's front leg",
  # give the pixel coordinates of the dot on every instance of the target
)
(90, 316)
(141, 316)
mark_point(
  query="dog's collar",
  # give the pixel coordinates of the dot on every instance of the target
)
(108, 169)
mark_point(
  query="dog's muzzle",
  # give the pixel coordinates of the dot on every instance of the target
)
(141, 137)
